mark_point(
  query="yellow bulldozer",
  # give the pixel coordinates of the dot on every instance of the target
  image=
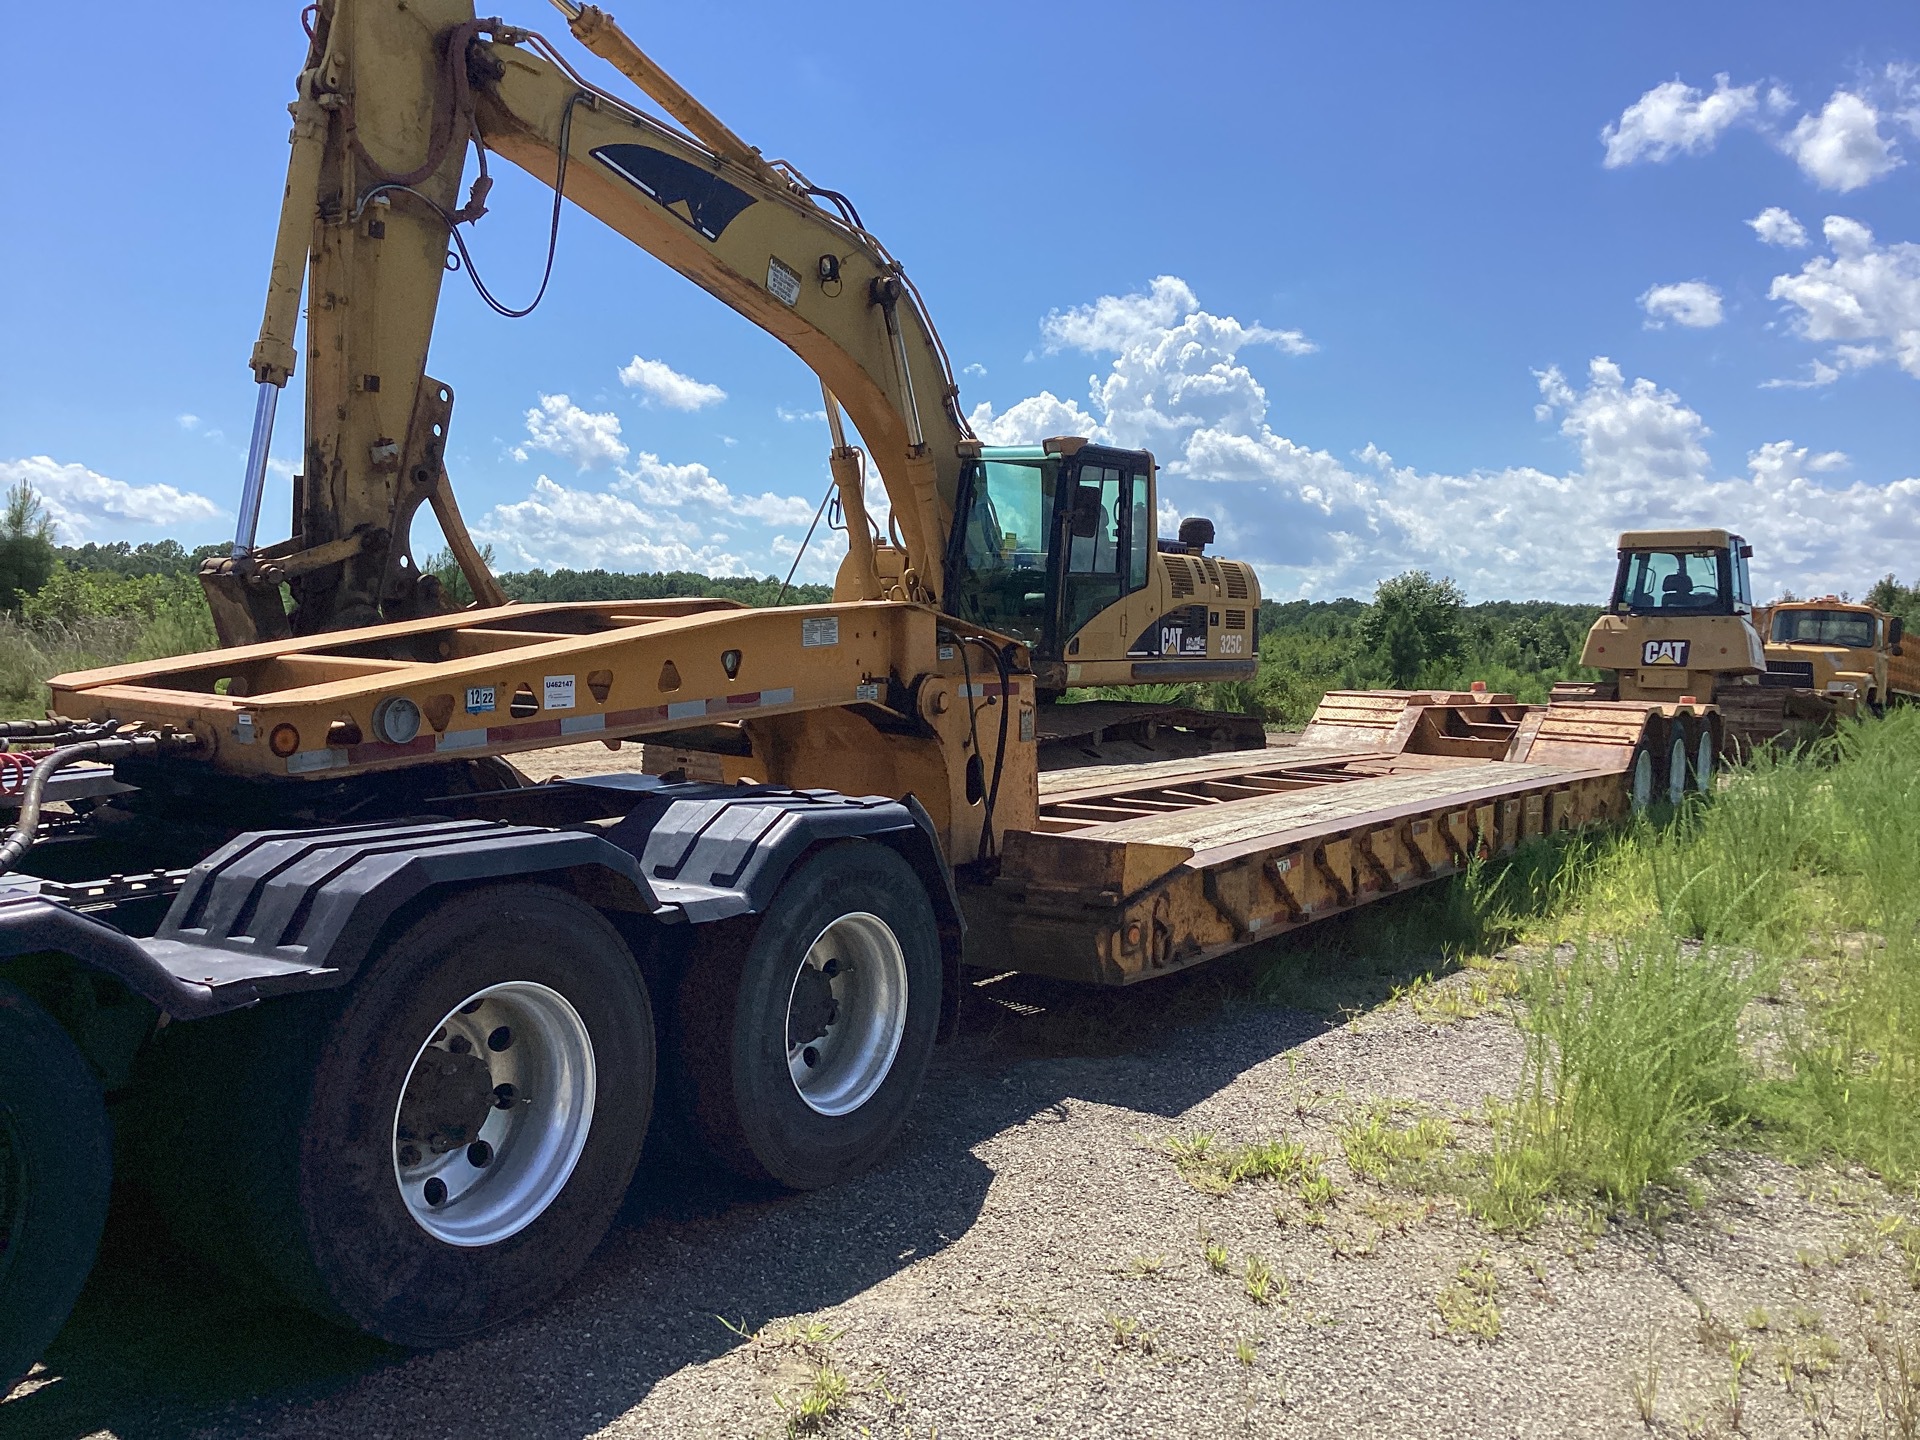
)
(1680, 626)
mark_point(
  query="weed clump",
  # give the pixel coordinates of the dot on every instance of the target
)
(1466, 1305)
(1383, 1151)
(1214, 1169)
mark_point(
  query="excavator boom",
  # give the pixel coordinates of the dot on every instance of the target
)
(390, 100)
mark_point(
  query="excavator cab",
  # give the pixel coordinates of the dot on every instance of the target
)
(1048, 540)
(1055, 545)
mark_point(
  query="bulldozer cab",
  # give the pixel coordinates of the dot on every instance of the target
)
(1049, 536)
(1680, 619)
(1682, 574)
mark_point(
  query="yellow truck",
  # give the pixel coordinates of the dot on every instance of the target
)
(1841, 648)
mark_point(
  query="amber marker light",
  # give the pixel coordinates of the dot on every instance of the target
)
(284, 740)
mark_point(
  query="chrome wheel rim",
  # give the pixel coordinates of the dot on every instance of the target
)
(1677, 771)
(1643, 780)
(846, 1014)
(494, 1114)
(1703, 763)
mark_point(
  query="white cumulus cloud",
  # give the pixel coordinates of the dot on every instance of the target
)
(1776, 226)
(1675, 118)
(81, 501)
(1841, 148)
(1863, 299)
(654, 514)
(589, 439)
(660, 382)
(1315, 524)
(1692, 303)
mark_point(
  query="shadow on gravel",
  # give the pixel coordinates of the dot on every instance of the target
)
(160, 1348)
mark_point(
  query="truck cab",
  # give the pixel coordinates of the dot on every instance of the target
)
(1840, 648)
(1057, 546)
(1680, 618)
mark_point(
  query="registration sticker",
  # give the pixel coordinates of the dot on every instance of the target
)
(558, 693)
(480, 700)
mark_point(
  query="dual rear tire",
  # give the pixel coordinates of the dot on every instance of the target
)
(441, 1146)
(55, 1173)
(803, 1038)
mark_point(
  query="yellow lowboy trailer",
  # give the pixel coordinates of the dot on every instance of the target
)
(429, 996)
(1131, 872)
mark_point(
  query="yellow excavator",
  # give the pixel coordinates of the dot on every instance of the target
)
(1052, 545)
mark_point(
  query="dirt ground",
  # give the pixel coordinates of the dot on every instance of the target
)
(1030, 1261)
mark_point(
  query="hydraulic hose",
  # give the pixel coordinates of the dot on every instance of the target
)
(118, 747)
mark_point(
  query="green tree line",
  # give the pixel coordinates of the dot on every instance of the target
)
(71, 607)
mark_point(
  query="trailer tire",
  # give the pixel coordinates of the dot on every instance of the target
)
(1706, 754)
(849, 952)
(326, 1152)
(1647, 770)
(56, 1169)
(1679, 759)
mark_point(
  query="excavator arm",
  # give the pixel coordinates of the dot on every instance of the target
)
(391, 99)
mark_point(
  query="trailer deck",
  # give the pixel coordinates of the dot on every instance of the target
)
(1137, 871)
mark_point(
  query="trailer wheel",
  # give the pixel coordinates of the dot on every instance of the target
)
(1706, 755)
(1679, 759)
(56, 1168)
(462, 1122)
(802, 1044)
(1646, 772)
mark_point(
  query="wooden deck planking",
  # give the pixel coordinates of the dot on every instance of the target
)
(1209, 827)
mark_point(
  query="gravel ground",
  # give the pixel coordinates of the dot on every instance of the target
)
(1029, 1261)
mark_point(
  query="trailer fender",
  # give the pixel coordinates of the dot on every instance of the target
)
(273, 912)
(277, 911)
(720, 851)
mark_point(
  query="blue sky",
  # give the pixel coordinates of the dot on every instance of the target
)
(1462, 288)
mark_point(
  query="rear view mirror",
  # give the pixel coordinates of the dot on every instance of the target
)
(1746, 552)
(1896, 629)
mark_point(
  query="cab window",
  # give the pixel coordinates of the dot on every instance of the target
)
(1140, 530)
(1850, 628)
(1097, 558)
(1674, 582)
(1004, 581)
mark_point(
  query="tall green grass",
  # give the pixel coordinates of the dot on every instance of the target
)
(31, 652)
(1633, 1067)
(1799, 880)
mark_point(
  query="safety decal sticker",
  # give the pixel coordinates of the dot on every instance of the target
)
(822, 631)
(783, 282)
